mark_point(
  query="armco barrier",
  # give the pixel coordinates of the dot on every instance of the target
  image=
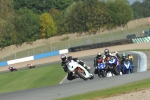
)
(39, 56)
(44, 55)
(100, 45)
(20, 60)
(3, 63)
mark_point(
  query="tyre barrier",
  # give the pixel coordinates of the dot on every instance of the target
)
(100, 45)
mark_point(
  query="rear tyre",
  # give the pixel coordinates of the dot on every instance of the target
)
(116, 72)
(99, 73)
(81, 75)
(103, 74)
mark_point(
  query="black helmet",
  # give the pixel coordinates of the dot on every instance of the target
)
(99, 55)
(129, 54)
(63, 57)
(106, 51)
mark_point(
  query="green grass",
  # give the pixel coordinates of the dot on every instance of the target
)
(31, 78)
(127, 88)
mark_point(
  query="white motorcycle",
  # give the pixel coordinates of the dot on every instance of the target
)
(79, 70)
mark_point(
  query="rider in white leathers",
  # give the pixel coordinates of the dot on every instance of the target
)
(65, 59)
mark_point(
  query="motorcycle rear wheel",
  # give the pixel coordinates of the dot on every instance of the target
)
(116, 72)
(81, 75)
(103, 74)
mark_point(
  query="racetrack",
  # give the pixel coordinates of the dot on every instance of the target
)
(78, 86)
(48, 60)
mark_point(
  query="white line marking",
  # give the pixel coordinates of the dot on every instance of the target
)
(63, 79)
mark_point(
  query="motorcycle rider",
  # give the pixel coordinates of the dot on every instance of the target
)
(116, 54)
(98, 58)
(131, 58)
(124, 56)
(10, 67)
(108, 55)
(30, 65)
(65, 59)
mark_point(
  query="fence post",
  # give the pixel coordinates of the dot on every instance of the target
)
(15, 56)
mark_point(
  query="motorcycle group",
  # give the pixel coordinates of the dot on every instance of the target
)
(106, 65)
(12, 68)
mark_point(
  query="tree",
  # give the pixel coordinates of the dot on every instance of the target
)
(7, 29)
(41, 6)
(137, 10)
(59, 19)
(48, 27)
(141, 9)
(95, 15)
(86, 16)
(119, 13)
(27, 25)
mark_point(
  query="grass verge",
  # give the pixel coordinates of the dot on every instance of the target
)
(32, 78)
(127, 88)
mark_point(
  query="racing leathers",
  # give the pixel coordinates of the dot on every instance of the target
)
(131, 58)
(70, 75)
(108, 57)
(96, 61)
(11, 68)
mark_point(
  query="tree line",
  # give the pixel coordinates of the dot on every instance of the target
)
(28, 20)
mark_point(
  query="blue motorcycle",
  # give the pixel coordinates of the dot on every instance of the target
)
(101, 70)
(112, 66)
(127, 67)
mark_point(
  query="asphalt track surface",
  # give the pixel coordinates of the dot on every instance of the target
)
(78, 86)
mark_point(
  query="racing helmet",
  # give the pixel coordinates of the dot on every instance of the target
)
(99, 55)
(124, 55)
(129, 54)
(63, 57)
(106, 52)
